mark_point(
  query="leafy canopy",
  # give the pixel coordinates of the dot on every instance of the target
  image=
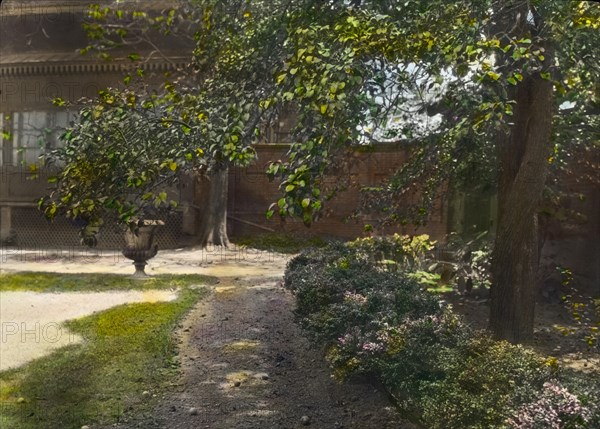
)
(435, 75)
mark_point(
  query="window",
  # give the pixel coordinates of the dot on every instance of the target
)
(31, 134)
(4, 132)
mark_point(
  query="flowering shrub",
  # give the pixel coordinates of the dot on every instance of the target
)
(321, 278)
(439, 369)
(388, 300)
(587, 389)
(483, 380)
(555, 408)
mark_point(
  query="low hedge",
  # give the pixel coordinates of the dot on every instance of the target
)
(383, 323)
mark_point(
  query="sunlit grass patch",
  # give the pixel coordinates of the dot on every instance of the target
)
(75, 282)
(127, 356)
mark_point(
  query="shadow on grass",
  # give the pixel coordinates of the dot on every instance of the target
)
(126, 357)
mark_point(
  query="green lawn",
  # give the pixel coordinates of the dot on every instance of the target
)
(54, 282)
(128, 350)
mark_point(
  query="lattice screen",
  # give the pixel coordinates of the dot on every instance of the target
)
(33, 231)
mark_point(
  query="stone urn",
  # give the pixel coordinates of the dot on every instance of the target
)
(139, 245)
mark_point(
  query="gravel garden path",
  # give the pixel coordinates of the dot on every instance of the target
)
(244, 361)
(245, 364)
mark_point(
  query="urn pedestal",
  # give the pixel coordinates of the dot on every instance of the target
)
(140, 247)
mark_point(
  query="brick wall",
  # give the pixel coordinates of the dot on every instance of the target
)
(251, 193)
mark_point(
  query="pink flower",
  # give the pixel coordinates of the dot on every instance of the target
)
(550, 410)
(372, 347)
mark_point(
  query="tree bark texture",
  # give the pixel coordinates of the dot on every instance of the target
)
(211, 197)
(523, 160)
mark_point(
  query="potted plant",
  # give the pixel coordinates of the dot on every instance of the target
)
(139, 245)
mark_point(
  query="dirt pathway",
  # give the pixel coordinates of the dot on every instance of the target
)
(246, 365)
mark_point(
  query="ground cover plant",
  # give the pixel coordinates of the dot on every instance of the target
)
(126, 358)
(441, 372)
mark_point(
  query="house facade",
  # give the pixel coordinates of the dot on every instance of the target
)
(40, 60)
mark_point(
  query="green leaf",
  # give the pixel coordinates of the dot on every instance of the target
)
(353, 21)
(323, 108)
(289, 188)
(51, 210)
(305, 202)
(493, 75)
(134, 57)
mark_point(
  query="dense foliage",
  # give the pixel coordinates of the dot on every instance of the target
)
(441, 371)
(436, 75)
(501, 91)
(100, 162)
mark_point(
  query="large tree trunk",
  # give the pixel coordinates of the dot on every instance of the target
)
(524, 155)
(211, 197)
